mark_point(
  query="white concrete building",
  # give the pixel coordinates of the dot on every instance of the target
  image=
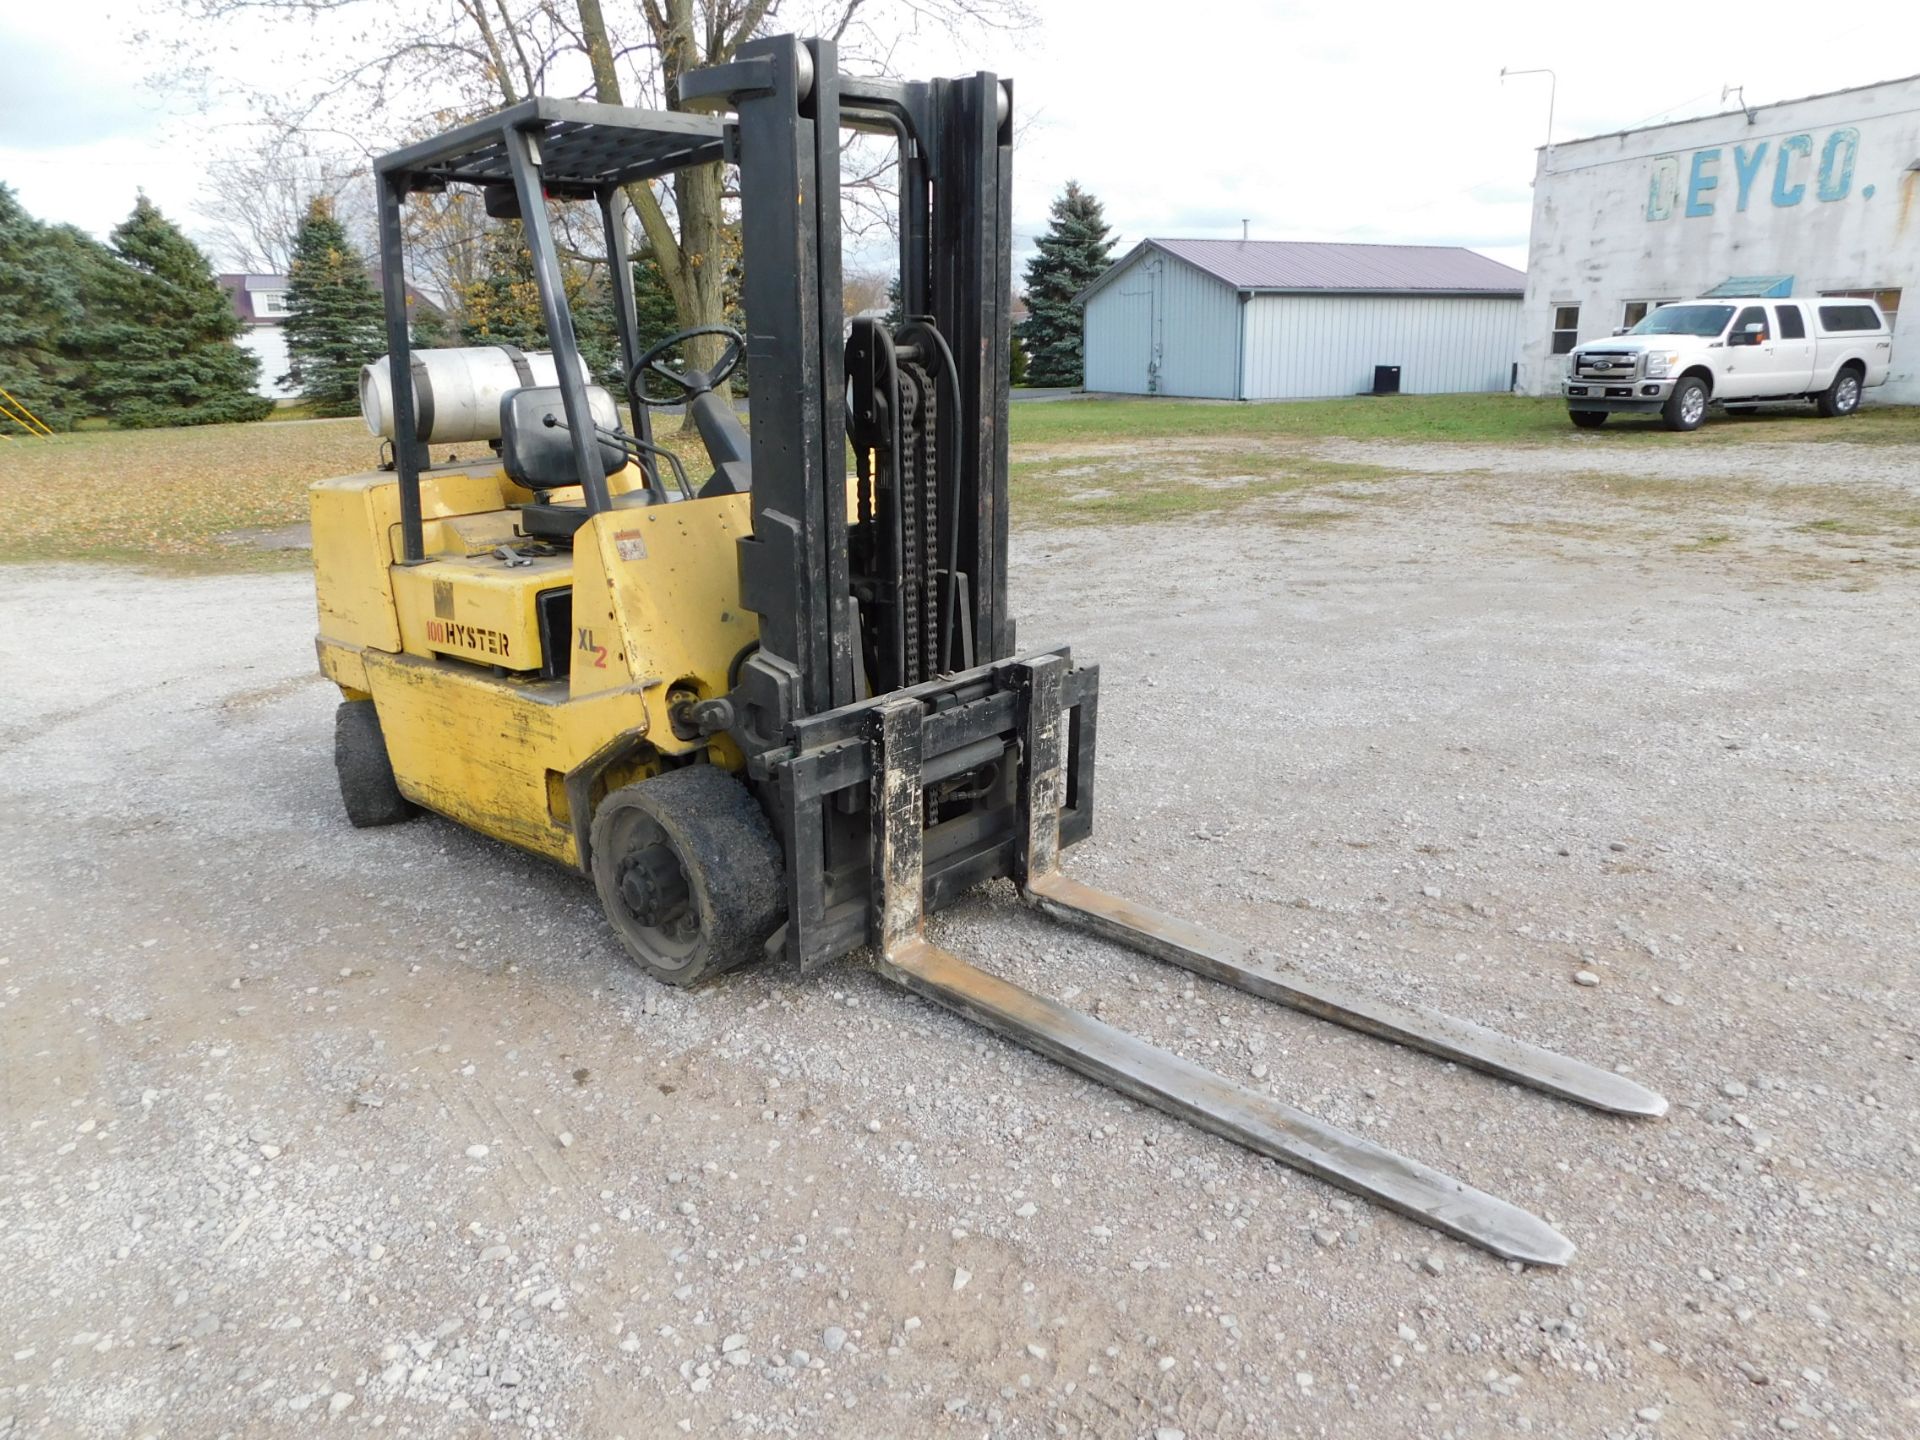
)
(1283, 319)
(1806, 197)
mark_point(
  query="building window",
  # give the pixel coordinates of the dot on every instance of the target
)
(270, 302)
(1887, 300)
(1566, 328)
(1793, 325)
(1634, 311)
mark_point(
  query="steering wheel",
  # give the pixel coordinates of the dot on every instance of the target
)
(691, 382)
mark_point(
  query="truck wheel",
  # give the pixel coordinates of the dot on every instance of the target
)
(367, 787)
(689, 873)
(1842, 397)
(1687, 406)
(1587, 419)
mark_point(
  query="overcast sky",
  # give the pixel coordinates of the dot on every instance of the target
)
(1314, 121)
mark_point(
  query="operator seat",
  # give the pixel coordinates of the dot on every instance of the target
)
(540, 457)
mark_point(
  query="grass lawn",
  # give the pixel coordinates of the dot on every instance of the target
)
(165, 498)
(1427, 418)
(179, 498)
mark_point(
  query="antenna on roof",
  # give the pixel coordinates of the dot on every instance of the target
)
(1741, 91)
(1553, 93)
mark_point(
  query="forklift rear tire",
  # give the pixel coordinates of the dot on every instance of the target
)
(367, 786)
(689, 873)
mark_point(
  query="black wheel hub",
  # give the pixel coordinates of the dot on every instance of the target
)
(653, 886)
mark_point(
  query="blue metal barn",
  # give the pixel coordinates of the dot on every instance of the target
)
(1282, 319)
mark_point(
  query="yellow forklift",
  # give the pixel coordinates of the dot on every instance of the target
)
(774, 710)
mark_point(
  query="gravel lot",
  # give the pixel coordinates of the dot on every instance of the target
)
(304, 1127)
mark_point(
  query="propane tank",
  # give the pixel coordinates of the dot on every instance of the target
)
(456, 392)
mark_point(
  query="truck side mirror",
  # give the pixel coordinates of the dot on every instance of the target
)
(1623, 329)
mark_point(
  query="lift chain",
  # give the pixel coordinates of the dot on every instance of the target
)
(907, 499)
(928, 469)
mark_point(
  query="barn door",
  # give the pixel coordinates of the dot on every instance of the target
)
(1123, 354)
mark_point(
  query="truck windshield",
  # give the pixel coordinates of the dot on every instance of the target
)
(1685, 320)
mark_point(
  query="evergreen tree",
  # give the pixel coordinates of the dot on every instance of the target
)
(335, 322)
(595, 331)
(896, 307)
(658, 317)
(161, 337)
(1072, 254)
(428, 327)
(41, 270)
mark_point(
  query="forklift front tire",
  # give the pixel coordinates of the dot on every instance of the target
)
(689, 873)
(367, 786)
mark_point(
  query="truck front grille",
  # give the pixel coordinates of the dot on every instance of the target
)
(1606, 364)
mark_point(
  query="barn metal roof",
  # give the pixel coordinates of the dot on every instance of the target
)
(1307, 265)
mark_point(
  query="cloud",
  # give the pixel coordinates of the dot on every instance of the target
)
(59, 94)
(1204, 220)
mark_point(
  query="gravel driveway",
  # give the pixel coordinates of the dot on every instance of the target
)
(303, 1127)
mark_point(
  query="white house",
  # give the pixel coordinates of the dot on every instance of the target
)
(261, 303)
(1800, 198)
(1284, 319)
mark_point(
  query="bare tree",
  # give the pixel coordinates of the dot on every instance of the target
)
(402, 70)
(255, 199)
(864, 290)
(446, 240)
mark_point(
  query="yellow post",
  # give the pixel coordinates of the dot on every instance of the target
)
(19, 418)
(22, 416)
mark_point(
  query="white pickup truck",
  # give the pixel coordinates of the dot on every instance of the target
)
(1693, 353)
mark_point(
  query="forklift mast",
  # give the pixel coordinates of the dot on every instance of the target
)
(916, 585)
(899, 589)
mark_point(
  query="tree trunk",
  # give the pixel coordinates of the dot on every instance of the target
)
(692, 261)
